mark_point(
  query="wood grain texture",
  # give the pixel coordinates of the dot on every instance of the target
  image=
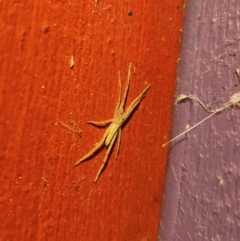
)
(202, 191)
(43, 195)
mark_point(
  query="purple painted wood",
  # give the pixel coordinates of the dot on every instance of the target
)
(202, 189)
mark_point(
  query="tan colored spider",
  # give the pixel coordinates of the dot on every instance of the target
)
(115, 124)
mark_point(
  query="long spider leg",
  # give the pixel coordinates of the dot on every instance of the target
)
(126, 89)
(119, 94)
(135, 103)
(95, 148)
(106, 157)
(100, 123)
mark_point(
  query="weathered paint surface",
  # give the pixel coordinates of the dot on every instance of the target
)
(202, 190)
(59, 62)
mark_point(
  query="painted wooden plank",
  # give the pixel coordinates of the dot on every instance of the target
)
(59, 63)
(202, 189)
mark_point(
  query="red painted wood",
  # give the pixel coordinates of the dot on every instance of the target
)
(43, 195)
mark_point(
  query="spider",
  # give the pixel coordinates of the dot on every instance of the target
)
(115, 125)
